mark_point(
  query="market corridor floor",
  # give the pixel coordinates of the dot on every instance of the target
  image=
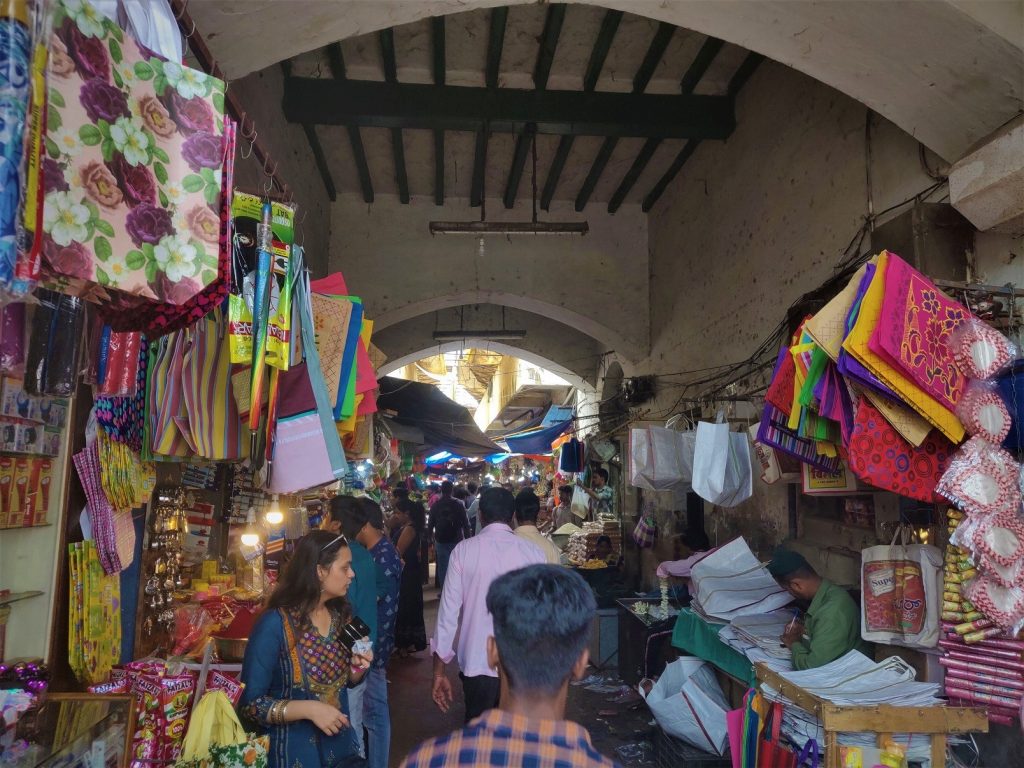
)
(414, 717)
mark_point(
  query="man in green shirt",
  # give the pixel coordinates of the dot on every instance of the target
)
(832, 624)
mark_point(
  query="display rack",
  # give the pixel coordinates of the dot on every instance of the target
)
(883, 719)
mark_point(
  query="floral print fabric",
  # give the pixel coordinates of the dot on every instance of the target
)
(132, 173)
(915, 331)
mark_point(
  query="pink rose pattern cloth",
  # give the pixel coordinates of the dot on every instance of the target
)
(132, 174)
(915, 330)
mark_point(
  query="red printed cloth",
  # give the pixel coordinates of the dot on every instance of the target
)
(914, 331)
(881, 457)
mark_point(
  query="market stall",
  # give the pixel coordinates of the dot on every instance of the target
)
(897, 402)
(177, 398)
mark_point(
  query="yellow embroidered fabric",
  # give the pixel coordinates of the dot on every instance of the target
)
(857, 345)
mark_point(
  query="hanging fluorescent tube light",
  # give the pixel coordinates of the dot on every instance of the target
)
(502, 228)
(498, 334)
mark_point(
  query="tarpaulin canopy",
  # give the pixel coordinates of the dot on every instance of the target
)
(446, 425)
(536, 440)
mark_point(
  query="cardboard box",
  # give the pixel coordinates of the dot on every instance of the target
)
(42, 507)
(6, 487)
(51, 441)
(29, 438)
(19, 491)
(14, 401)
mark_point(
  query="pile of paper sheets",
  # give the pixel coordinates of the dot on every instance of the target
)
(856, 680)
(732, 582)
(758, 637)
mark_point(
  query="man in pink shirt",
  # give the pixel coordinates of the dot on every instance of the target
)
(463, 614)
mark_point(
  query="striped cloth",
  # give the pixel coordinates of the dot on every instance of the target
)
(498, 738)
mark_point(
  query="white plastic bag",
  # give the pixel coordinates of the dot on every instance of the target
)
(580, 504)
(722, 473)
(689, 704)
(901, 593)
(662, 459)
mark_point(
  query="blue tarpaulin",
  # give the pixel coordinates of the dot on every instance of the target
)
(537, 441)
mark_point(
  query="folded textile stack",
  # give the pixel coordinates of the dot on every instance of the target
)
(732, 582)
(855, 680)
(984, 666)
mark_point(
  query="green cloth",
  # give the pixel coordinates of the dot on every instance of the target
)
(833, 626)
(699, 638)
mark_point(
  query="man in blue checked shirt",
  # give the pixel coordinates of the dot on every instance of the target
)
(363, 522)
(539, 606)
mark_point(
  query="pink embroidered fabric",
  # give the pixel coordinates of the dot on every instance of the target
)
(915, 329)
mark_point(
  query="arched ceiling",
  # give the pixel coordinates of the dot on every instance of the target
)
(559, 348)
(948, 73)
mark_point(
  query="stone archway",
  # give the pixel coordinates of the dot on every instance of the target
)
(494, 346)
(947, 72)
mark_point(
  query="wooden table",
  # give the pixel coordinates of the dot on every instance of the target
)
(882, 719)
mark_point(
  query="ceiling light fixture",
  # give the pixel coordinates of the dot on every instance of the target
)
(484, 228)
(497, 334)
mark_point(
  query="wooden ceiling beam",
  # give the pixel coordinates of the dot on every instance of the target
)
(699, 66)
(315, 147)
(492, 69)
(390, 61)
(736, 83)
(697, 69)
(541, 72)
(325, 101)
(440, 74)
(336, 63)
(655, 52)
(598, 55)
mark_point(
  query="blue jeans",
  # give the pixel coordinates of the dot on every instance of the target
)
(377, 717)
(444, 554)
(355, 714)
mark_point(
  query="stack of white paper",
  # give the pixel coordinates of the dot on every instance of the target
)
(731, 582)
(855, 680)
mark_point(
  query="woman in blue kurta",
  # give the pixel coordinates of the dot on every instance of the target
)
(296, 668)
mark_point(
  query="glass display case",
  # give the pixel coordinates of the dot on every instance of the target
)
(72, 730)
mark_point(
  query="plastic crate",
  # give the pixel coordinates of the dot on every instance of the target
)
(670, 752)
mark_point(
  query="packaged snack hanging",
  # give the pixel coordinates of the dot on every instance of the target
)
(51, 365)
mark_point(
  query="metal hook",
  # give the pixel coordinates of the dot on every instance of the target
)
(181, 12)
(190, 34)
(252, 143)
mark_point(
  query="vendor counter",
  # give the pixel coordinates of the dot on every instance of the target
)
(696, 636)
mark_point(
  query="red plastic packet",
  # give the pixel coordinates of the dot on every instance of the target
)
(218, 681)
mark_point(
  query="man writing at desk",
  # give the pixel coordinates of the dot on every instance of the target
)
(832, 626)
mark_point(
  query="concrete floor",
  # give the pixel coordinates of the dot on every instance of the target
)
(414, 717)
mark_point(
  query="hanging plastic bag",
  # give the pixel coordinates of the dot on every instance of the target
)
(307, 451)
(215, 427)
(646, 531)
(580, 504)
(688, 703)
(901, 587)
(722, 472)
(15, 82)
(141, 141)
(662, 458)
(51, 365)
(118, 364)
